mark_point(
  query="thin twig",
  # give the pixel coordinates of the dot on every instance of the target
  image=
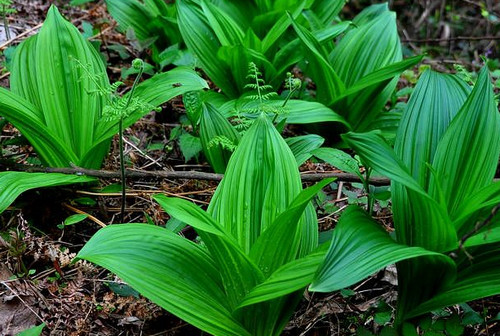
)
(92, 218)
(21, 299)
(7, 43)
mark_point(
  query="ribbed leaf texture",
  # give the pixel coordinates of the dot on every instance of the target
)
(442, 170)
(214, 125)
(55, 102)
(259, 223)
(358, 76)
(15, 183)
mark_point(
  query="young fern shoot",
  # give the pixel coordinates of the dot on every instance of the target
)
(121, 107)
(5, 9)
(118, 108)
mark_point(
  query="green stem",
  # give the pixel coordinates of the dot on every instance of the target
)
(5, 23)
(369, 198)
(120, 143)
(122, 169)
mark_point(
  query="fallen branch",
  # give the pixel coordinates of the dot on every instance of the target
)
(188, 175)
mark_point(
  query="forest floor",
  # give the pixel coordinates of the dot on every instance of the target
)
(39, 282)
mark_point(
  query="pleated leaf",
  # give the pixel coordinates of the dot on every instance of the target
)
(203, 42)
(328, 83)
(238, 273)
(262, 180)
(171, 271)
(55, 102)
(14, 184)
(287, 279)
(27, 119)
(224, 26)
(371, 46)
(132, 14)
(327, 10)
(280, 243)
(436, 232)
(467, 156)
(433, 104)
(479, 279)
(212, 125)
(359, 248)
(302, 146)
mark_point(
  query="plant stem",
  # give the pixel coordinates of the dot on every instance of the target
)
(122, 169)
(5, 23)
(120, 145)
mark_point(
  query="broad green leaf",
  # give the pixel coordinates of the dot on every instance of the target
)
(169, 270)
(289, 278)
(478, 279)
(327, 10)
(34, 331)
(433, 104)
(25, 117)
(291, 53)
(375, 152)
(361, 247)
(474, 130)
(261, 181)
(488, 235)
(132, 14)
(189, 213)
(329, 85)
(70, 111)
(303, 146)
(212, 125)
(279, 28)
(203, 42)
(14, 184)
(339, 159)
(380, 75)
(226, 29)
(488, 196)
(190, 146)
(239, 274)
(436, 232)
(367, 48)
(268, 252)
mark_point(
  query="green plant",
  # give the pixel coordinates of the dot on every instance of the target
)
(357, 76)
(219, 135)
(153, 23)
(15, 183)
(226, 35)
(33, 331)
(56, 104)
(444, 200)
(254, 225)
(6, 9)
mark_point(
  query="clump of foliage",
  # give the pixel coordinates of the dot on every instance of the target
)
(357, 76)
(53, 100)
(253, 228)
(444, 201)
